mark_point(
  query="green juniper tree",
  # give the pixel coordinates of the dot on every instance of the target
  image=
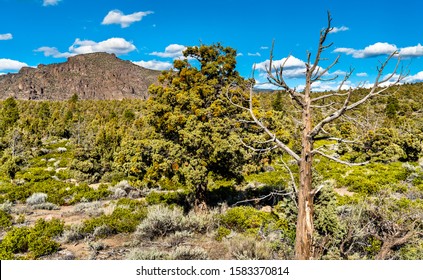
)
(195, 136)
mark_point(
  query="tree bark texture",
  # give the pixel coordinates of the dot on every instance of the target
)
(305, 227)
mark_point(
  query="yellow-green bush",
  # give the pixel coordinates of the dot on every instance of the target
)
(36, 241)
(247, 218)
(5, 220)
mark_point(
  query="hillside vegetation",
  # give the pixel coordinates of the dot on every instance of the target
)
(96, 179)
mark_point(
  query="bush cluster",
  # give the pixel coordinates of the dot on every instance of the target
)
(36, 241)
(163, 221)
(125, 218)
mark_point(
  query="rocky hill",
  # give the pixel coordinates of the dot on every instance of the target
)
(90, 76)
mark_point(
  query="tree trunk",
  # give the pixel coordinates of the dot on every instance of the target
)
(200, 201)
(305, 227)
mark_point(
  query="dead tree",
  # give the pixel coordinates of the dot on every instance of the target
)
(308, 102)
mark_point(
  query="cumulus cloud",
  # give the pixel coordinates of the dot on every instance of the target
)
(414, 78)
(117, 17)
(117, 46)
(411, 51)
(362, 74)
(113, 45)
(264, 48)
(328, 86)
(54, 52)
(294, 67)
(339, 29)
(154, 64)
(50, 2)
(382, 49)
(7, 36)
(374, 50)
(171, 51)
(9, 64)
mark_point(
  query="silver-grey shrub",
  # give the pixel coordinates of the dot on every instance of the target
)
(73, 234)
(189, 253)
(138, 254)
(36, 198)
(46, 206)
(160, 221)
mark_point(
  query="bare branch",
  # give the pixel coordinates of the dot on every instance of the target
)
(319, 74)
(258, 150)
(322, 47)
(375, 90)
(327, 96)
(229, 97)
(294, 185)
(272, 135)
(336, 139)
(279, 79)
(338, 160)
(336, 93)
(272, 194)
(323, 106)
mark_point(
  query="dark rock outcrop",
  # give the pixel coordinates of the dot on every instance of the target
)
(90, 76)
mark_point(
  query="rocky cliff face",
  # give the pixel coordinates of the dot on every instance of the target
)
(90, 76)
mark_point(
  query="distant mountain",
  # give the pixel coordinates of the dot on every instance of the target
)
(90, 76)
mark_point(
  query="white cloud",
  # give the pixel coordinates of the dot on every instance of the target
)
(117, 46)
(7, 36)
(369, 51)
(9, 64)
(418, 77)
(414, 78)
(362, 74)
(412, 51)
(339, 29)
(327, 86)
(240, 54)
(264, 48)
(171, 51)
(113, 45)
(292, 62)
(154, 64)
(117, 17)
(50, 2)
(54, 52)
(254, 54)
(382, 49)
(340, 73)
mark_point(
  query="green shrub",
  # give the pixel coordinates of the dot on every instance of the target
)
(37, 241)
(121, 220)
(169, 198)
(41, 245)
(16, 240)
(37, 174)
(245, 218)
(131, 204)
(5, 220)
(222, 232)
(57, 192)
(84, 193)
(51, 228)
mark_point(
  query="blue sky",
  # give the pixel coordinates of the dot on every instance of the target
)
(152, 33)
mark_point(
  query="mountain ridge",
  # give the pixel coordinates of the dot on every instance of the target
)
(91, 76)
